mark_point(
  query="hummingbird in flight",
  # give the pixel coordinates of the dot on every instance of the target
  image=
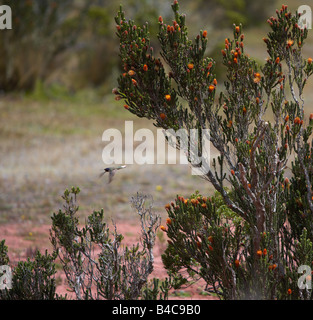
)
(112, 171)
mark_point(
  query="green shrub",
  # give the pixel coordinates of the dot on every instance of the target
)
(96, 264)
(261, 227)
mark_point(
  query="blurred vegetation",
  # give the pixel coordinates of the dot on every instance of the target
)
(71, 44)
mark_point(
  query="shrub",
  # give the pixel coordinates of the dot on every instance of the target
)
(31, 279)
(248, 241)
(93, 259)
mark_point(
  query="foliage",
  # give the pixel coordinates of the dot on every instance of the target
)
(256, 125)
(41, 32)
(93, 259)
(72, 43)
(31, 279)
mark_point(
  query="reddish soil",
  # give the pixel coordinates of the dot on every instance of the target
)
(23, 239)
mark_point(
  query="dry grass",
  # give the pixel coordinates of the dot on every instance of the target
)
(47, 146)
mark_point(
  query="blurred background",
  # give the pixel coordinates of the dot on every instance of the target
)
(58, 66)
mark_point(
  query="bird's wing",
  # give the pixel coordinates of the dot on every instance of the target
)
(111, 175)
(101, 174)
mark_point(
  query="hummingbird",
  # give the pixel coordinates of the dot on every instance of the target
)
(111, 171)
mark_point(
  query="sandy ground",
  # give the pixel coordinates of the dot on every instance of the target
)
(22, 244)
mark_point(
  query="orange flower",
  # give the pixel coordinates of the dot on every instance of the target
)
(259, 253)
(232, 172)
(204, 33)
(287, 118)
(311, 116)
(237, 263)
(211, 87)
(244, 109)
(230, 123)
(126, 106)
(167, 206)
(204, 205)
(163, 228)
(169, 221)
(289, 291)
(223, 52)
(168, 97)
(210, 248)
(162, 116)
(145, 68)
(271, 267)
(310, 61)
(131, 72)
(257, 78)
(160, 19)
(277, 60)
(237, 29)
(289, 43)
(134, 82)
(235, 60)
(264, 252)
(194, 201)
(257, 100)
(297, 120)
(190, 66)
